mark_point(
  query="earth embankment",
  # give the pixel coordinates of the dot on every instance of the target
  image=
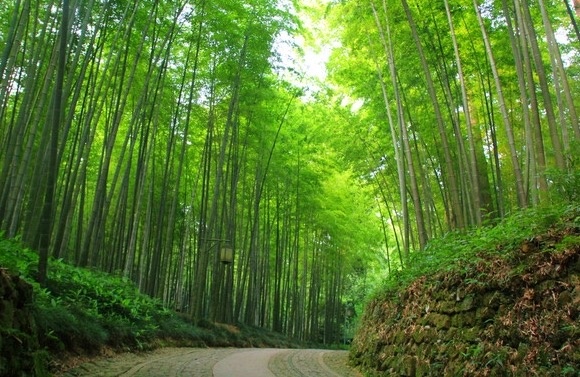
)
(511, 311)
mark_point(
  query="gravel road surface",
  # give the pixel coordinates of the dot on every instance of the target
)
(221, 362)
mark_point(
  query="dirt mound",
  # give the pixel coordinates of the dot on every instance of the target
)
(514, 313)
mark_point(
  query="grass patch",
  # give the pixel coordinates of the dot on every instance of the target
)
(460, 251)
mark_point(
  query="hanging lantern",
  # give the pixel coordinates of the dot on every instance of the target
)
(226, 254)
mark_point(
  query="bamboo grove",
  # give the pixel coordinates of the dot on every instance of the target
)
(143, 137)
(470, 106)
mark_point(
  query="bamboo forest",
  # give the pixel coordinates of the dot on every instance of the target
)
(271, 162)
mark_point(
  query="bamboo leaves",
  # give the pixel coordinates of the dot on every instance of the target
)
(442, 90)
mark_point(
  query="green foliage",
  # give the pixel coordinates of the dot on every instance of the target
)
(177, 328)
(62, 328)
(20, 354)
(570, 370)
(82, 310)
(16, 258)
(459, 251)
(565, 184)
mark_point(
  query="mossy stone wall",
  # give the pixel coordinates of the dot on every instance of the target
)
(512, 315)
(19, 349)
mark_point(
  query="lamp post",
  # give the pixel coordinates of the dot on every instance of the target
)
(226, 258)
(226, 254)
(221, 289)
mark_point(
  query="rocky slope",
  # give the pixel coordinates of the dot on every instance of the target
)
(513, 311)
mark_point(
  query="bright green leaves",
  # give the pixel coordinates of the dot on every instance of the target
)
(348, 212)
(459, 134)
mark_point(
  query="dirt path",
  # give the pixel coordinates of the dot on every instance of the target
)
(221, 362)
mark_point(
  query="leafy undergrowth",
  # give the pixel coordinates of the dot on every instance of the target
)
(501, 301)
(83, 313)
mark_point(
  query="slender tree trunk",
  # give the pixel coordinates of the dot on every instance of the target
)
(560, 74)
(474, 176)
(520, 192)
(527, 24)
(535, 150)
(572, 17)
(24, 175)
(12, 45)
(97, 217)
(183, 148)
(399, 157)
(199, 295)
(80, 141)
(47, 215)
(457, 219)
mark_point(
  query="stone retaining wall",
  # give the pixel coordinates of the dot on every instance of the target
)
(503, 316)
(19, 350)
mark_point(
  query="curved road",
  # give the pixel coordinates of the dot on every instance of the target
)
(221, 362)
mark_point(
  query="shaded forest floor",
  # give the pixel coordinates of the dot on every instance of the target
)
(502, 300)
(83, 314)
